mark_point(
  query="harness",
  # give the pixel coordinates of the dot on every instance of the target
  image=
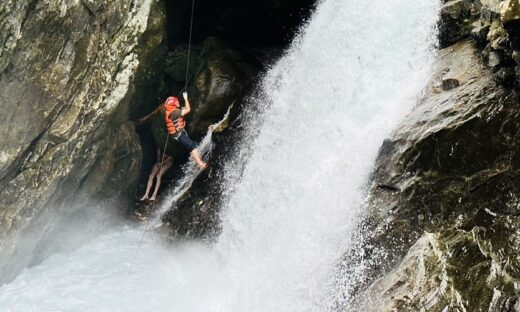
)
(173, 116)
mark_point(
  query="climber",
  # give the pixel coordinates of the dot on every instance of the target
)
(164, 162)
(175, 124)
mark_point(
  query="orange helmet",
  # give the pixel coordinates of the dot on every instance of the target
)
(172, 101)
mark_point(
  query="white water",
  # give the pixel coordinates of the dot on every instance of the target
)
(353, 73)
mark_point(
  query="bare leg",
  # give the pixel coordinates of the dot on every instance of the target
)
(154, 171)
(196, 156)
(168, 162)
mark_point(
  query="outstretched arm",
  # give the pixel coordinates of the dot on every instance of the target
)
(187, 108)
(143, 119)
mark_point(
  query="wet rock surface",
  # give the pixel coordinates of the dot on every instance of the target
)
(446, 183)
(494, 25)
(253, 23)
(65, 99)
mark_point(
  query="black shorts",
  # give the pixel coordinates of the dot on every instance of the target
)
(185, 140)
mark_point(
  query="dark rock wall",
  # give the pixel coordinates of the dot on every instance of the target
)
(68, 73)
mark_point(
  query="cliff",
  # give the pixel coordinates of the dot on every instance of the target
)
(441, 230)
(68, 73)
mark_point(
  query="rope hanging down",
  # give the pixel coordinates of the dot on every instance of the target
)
(153, 209)
(167, 138)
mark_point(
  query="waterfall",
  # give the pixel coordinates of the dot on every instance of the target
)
(354, 70)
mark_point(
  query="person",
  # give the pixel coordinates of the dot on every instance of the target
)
(175, 125)
(159, 168)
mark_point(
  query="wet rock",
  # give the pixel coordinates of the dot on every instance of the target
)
(472, 269)
(449, 83)
(67, 79)
(224, 77)
(494, 59)
(480, 30)
(495, 27)
(455, 161)
(456, 8)
(455, 23)
(497, 36)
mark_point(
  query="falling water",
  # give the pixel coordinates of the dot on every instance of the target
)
(355, 69)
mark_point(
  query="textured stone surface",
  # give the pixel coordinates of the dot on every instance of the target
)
(67, 77)
(450, 169)
(494, 25)
(510, 11)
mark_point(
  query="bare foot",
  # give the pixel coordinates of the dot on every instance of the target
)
(144, 198)
(152, 199)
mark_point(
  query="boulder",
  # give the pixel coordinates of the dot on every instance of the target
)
(67, 78)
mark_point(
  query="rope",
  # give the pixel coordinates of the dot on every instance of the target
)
(153, 209)
(189, 44)
(167, 138)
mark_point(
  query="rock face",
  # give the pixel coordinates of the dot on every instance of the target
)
(446, 182)
(67, 80)
(494, 25)
(441, 232)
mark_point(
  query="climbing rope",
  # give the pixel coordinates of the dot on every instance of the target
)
(153, 209)
(167, 138)
(189, 45)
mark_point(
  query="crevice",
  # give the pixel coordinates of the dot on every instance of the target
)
(258, 30)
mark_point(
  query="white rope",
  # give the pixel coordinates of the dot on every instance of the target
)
(167, 138)
(189, 44)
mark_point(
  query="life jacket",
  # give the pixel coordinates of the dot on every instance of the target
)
(172, 105)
